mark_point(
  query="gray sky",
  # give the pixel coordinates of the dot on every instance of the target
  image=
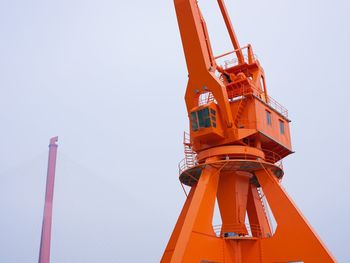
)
(108, 77)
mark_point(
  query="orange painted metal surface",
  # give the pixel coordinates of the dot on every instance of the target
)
(233, 155)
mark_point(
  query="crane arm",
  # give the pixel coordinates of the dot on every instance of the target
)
(231, 31)
(199, 58)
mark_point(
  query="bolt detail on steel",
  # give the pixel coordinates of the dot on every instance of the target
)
(233, 156)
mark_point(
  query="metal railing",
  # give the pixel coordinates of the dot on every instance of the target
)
(183, 165)
(271, 102)
(208, 97)
(272, 157)
(190, 159)
(269, 156)
(277, 106)
(250, 229)
(248, 56)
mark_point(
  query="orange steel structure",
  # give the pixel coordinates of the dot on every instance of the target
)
(238, 138)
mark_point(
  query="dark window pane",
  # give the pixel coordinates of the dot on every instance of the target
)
(268, 118)
(194, 121)
(281, 127)
(213, 118)
(206, 112)
(203, 118)
(212, 111)
(207, 123)
(214, 124)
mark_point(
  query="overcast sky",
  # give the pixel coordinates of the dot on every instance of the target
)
(108, 77)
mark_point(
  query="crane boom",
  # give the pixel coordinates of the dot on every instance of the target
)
(199, 57)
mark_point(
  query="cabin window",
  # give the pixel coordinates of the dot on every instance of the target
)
(204, 118)
(201, 119)
(268, 118)
(281, 127)
(194, 121)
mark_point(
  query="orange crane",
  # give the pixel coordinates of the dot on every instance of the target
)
(238, 138)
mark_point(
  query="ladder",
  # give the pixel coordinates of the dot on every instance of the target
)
(264, 205)
(240, 110)
(190, 155)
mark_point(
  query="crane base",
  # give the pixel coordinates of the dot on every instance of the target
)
(194, 240)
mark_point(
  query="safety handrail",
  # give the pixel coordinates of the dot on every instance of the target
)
(250, 228)
(233, 93)
(249, 57)
(208, 97)
(269, 156)
(231, 52)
